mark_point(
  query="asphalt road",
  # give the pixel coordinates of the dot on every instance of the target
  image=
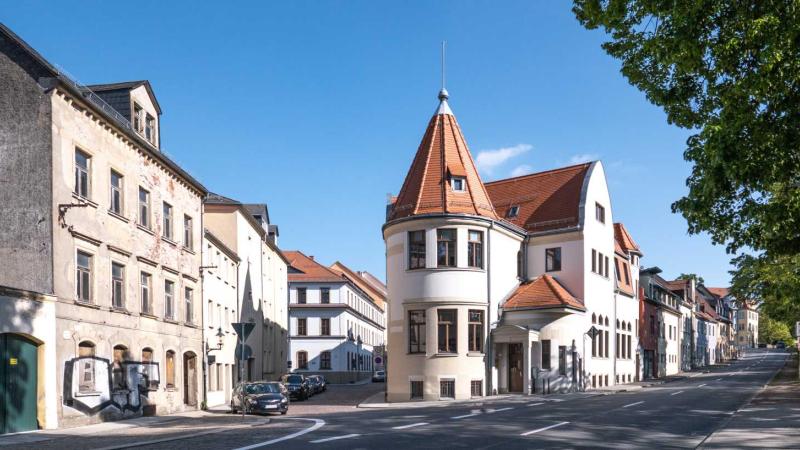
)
(680, 414)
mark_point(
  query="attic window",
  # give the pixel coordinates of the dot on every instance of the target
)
(138, 118)
(512, 212)
(459, 184)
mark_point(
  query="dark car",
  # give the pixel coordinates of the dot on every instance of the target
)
(297, 385)
(260, 397)
(317, 383)
(780, 344)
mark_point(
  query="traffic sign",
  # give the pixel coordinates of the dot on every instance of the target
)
(593, 332)
(248, 352)
(243, 329)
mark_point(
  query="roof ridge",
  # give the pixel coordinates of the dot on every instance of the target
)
(544, 172)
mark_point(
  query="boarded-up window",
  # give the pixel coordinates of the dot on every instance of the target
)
(117, 369)
(170, 365)
(149, 370)
(86, 368)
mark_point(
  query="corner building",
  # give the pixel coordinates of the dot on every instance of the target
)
(493, 288)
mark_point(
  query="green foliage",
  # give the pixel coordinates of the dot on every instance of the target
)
(691, 276)
(770, 331)
(773, 281)
(729, 70)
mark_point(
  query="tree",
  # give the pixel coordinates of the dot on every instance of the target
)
(772, 282)
(770, 330)
(729, 70)
(691, 276)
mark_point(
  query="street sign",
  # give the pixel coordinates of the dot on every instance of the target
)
(248, 352)
(593, 332)
(243, 329)
(378, 360)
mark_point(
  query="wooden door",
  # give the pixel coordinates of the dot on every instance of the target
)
(190, 379)
(515, 367)
(18, 384)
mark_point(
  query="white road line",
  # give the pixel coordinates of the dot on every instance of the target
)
(317, 424)
(403, 427)
(542, 429)
(676, 393)
(719, 379)
(701, 385)
(335, 438)
(534, 404)
(498, 410)
(466, 415)
(634, 404)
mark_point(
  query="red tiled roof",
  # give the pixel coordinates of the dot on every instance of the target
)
(443, 152)
(624, 239)
(308, 269)
(719, 292)
(377, 296)
(540, 293)
(547, 200)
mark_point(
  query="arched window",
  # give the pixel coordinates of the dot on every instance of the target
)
(302, 360)
(117, 369)
(149, 370)
(86, 383)
(617, 323)
(594, 318)
(606, 321)
(170, 369)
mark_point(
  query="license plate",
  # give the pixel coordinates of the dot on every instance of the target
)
(270, 406)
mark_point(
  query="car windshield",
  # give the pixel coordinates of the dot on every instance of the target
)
(263, 388)
(294, 379)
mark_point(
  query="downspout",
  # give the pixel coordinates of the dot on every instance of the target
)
(489, 338)
(202, 304)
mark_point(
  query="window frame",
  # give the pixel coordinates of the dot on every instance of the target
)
(144, 209)
(475, 331)
(87, 386)
(188, 304)
(324, 295)
(302, 362)
(547, 354)
(118, 302)
(169, 368)
(166, 221)
(462, 181)
(450, 329)
(324, 326)
(116, 201)
(446, 260)
(83, 175)
(302, 299)
(475, 249)
(416, 257)
(302, 326)
(552, 259)
(417, 389)
(169, 300)
(188, 232)
(417, 329)
(600, 213)
(146, 290)
(84, 277)
(325, 360)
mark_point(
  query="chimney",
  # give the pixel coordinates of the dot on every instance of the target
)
(311, 256)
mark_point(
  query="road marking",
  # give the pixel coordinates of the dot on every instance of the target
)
(701, 385)
(676, 393)
(403, 427)
(542, 429)
(317, 424)
(335, 438)
(466, 415)
(634, 404)
(498, 410)
(534, 404)
(719, 379)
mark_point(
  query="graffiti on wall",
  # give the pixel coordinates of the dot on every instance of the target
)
(92, 384)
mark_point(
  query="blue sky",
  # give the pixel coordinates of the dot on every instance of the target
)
(317, 107)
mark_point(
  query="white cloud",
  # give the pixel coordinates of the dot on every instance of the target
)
(521, 170)
(582, 158)
(488, 160)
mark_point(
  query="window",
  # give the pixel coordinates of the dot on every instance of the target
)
(169, 299)
(325, 327)
(302, 359)
(416, 249)
(301, 295)
(188, 235)
(116, 193)
(416, 390)
(188, 299)
(476, 388)
(83, 276)
(447, 331)
(459, 184)
(552, 259)
(594, 261)
(562, 359)
(446, 250)
(138, 118)
(475, 249)
(475, 330)
(616, 270)
(325, 360)
(416, 331)
(447, 388)
(599, 213)
(519, 264)
(546, 354)
(117, 285)
(150, 382)
(301, 327)
(117, 370)
(512, 212)
(167, 231)
(325, 295)
(150, 128)
(86, 369)
(605, 272)
(82, 167)
(605, 343)
(170, 369)
(144, 284)
(144, 208)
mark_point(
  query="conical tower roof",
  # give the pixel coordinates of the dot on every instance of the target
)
(442, 162)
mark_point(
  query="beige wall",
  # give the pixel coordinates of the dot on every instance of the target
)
(109, 237)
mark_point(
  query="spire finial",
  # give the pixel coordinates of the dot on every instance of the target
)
(443, 95)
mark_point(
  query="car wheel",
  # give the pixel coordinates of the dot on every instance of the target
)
(283, 413)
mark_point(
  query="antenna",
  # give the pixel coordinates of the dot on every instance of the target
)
(444, 48)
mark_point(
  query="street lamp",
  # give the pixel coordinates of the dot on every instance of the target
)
(220, 335)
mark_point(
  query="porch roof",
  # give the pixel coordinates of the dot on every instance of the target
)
(544, 292)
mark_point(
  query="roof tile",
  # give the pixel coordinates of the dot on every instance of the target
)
(541, 293)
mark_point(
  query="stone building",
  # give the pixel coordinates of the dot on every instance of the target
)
(99, 240)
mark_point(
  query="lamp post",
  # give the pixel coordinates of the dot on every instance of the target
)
(220, 335)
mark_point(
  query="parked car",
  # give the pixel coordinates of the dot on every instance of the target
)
(762, 345)
(297, 385)
(379, 376)
(780, 344)
(260, 397)
(318, 382)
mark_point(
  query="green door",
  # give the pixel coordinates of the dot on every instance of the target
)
(18, 375)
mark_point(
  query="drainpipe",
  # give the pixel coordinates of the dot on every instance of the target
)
(202, 303)
(490, 340)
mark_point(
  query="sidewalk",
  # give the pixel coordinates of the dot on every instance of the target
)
(770, 420)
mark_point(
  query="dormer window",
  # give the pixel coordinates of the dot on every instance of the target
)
(150, 128)
(138, 118)
(512, 212)
(600, 213)
(459, 184)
